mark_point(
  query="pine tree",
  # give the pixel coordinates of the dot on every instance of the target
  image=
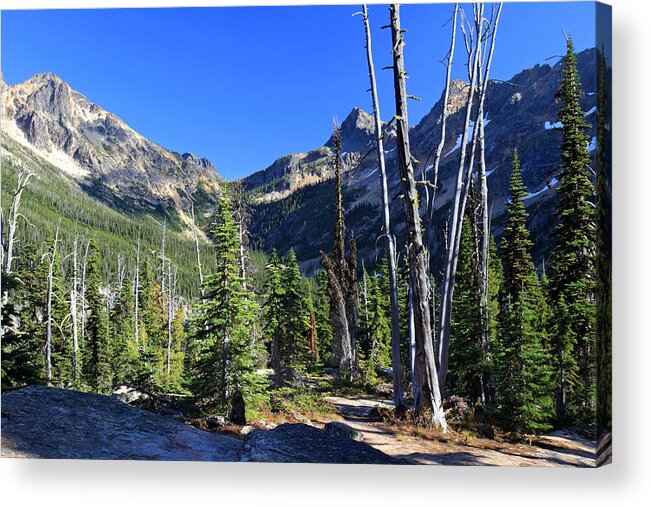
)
(466, 367)
(152, 326)
(572, 277)
(20, 358)
(124, 350)
(274, 313)
(221, 327)
(322, 317)
(297, 318)
(523, 373)
(62, 373)
(97, 363)
(603, 261)
(342, 280)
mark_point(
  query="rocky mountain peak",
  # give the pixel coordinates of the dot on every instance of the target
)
(99, 150)
(357, 131)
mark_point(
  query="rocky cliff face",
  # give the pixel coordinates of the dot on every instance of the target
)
(100, 152)
(520, 113)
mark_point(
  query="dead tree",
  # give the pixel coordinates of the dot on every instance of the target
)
(84, 264)
(485, 219)
(430, 395)
(73, 312)
(398, 400)
(339, 321)
(242, 215)
(51, 258)
(162, 261)
(196, 246)
(342, 278)
(136, 291)
(170, 297)
(412, 343)
(456, 216)
(439, 148)
(22, 179)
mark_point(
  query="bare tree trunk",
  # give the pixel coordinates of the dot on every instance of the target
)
(242, 218)
(429, 231)
(136, 290)
(412, 344)
(314, 351)
(485, 220)
(342, 280)
(83, 292)
(398, 400)
(48, 316)
(162, 261)
(169, 315)
(23, 178)
(339, 320)
(456, 218)
(430, 396)
(73, 313)
(196, 245)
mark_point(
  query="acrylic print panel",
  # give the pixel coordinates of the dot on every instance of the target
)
(242, 234)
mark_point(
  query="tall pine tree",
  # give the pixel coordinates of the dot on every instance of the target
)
(572, 278)
(523, 373)
(224, 361)
(97, 363)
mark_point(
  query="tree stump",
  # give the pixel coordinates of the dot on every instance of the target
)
(238, 409)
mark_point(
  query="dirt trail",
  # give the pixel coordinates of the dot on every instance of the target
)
(559, 449)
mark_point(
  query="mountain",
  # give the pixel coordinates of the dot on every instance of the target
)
(101, 153)
(44, 120)
(293, 197)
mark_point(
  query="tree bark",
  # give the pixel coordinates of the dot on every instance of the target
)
(398, 400)
(430, 396)
(412, 344)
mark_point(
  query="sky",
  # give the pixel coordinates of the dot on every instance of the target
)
(243, 86)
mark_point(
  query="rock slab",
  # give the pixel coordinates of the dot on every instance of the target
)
(44, 422)
(300, 443)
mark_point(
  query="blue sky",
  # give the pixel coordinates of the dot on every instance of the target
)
(245, 85)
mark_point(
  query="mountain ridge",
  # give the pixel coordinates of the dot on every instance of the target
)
(101, 153)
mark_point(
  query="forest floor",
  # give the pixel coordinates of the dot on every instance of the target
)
(561, 448)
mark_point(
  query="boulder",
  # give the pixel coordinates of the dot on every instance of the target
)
(344, 430)
(299, 443)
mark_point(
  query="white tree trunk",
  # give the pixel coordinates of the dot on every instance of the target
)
(456, 218)
(485, 219)
(83, 292)
(73, 312)
(169, 315)
(439, 149)
(22, 178)
(136, 290)
(196, 245)
(412, 345)
(386, 215)
(48, 315)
